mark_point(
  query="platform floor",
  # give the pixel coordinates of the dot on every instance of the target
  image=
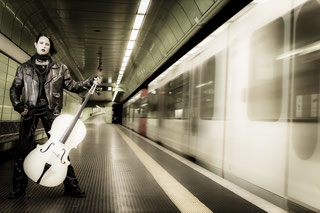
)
(122, 172)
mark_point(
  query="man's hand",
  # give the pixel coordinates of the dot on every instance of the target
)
(21, 108)
(98, 79)
(25, 111)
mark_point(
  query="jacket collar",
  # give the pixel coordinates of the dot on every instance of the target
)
(52, 63)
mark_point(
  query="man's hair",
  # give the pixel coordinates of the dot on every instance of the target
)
(52, 50)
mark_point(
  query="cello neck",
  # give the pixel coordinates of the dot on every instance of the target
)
(68, 131)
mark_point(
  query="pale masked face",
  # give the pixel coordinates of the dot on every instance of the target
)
(42, 46)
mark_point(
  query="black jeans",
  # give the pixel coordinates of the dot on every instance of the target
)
(26, 144)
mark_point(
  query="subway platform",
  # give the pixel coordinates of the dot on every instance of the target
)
(121, 171)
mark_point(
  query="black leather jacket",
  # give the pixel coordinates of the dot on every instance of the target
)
(26, 85)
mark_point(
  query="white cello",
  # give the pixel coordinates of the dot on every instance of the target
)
(47, 164)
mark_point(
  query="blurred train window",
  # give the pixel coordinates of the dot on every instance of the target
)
(124, 113)
(131, 112)
(176, 97)
(265, 72)
(306, 76)
(8, 68)
(153, 103)
(143, 108)
(136, 110)
(207, 89)
(127, 113)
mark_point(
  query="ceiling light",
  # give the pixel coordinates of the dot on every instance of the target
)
(134, 34)
(128, 53)
(138, 22)
(130, 45)
(143, 6)
(114, 96)
(125, 59)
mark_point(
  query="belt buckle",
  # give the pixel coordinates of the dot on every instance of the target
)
(43, 102)
(56, 113)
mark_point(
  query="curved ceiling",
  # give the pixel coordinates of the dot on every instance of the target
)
(86, 33)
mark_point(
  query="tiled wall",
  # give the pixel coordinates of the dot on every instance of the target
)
(71, 103)
(8, 68)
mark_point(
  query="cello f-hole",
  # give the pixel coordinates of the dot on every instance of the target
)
(64, 152)
(47, 148)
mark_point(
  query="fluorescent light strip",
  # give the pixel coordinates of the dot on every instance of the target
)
(138, 22)
(130, 45)
(115, 95)
(126, 59)
(128, 53)
(134, 35)
(144, 4)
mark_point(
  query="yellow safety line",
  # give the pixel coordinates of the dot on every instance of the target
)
(179, 195)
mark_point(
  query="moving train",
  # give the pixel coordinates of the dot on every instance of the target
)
(244, 102)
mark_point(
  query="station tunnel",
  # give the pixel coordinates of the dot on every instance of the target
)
(159, 106)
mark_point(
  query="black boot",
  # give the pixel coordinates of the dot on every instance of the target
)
(17, 193)
(71, 188)
(19, 180)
